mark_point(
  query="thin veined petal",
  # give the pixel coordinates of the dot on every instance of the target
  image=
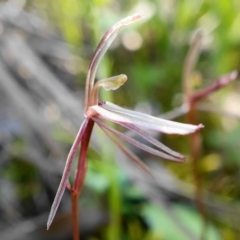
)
(152, 140)
(128, 152)
(101, 49)
(66, 172)
(136, 143)
(171, 127)
(118, 114)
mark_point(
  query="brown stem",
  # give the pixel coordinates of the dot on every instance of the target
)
(195, 138)
(219, 83)
(79, 178)
(82, 160)
(75, 227)
(195, 145)
(190, 63)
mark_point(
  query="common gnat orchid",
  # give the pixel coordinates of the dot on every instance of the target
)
(98, 111)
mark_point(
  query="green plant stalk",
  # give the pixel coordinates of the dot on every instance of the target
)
(114, 230)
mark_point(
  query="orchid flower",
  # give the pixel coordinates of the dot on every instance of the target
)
(98, 111)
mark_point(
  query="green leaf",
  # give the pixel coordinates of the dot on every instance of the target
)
(181, 223)
(96, 181)
(161, 225)
(193, 222)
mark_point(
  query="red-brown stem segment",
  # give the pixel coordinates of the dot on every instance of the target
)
(195, 138)
(79, 178)
(195, 145)
(75, 225)
(219, 83)
(82, 165)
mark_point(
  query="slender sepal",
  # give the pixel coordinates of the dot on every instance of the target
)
(152, 140)
(66, 173)
(128, 152)
(101, 49)
(137, 143)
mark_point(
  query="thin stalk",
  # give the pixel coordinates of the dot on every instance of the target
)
(114, 196)
(191, 116)
(79, 178)
(75, 220)
(219, 83)
(190, 63)
(82, 164)
(195, 145)
(195, 138)
(196, 148)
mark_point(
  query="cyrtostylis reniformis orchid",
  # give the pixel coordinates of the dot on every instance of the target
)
(97, 111)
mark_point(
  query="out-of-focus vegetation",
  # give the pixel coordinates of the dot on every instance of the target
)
(45, 48)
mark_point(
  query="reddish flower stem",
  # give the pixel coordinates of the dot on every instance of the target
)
(219, 83)
(196, 147)
(82, 164)
(79, 178)
(192, 116)
(75, 225)
(195, 138)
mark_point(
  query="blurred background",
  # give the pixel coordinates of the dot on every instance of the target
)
(45, 50)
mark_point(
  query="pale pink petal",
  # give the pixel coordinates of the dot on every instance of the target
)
(136, 143)
(117, 114)
(66, 172)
